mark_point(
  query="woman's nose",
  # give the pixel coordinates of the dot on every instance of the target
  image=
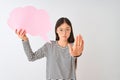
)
(64, 32)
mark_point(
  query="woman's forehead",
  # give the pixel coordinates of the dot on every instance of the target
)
(64, 25)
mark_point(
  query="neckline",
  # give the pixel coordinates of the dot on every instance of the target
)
(61, 46)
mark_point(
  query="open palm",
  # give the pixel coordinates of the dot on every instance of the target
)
(77, 48)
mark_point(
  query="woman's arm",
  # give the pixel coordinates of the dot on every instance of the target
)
(32, 56)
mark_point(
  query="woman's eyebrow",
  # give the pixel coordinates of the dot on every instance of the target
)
(67, 27)
(63, 28)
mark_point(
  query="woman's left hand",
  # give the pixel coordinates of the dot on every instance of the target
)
(77, 48)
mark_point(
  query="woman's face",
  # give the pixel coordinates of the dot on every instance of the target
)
(63, 31)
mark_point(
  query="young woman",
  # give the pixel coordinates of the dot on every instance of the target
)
(61, 54)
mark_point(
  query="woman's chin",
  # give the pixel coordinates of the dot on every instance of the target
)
(64, 39)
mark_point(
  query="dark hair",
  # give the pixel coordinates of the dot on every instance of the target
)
(61, 21)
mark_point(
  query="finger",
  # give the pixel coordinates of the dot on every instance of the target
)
(19, 32)
(16, 31)
(76, 40)
(24, 32)
(82, 45)
(80, 40)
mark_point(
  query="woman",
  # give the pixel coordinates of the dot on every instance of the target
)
(61, 54)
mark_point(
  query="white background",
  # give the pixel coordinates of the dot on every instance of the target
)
(98, 21)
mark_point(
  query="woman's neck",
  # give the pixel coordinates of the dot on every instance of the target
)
(62, 43)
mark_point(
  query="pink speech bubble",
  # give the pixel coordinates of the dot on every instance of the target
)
(35, 22)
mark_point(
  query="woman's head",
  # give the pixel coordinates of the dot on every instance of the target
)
(63, 30)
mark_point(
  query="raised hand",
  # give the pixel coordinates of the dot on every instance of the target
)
(21, 34)
(77, 48)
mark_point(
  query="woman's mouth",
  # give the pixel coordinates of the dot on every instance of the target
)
(64, 36)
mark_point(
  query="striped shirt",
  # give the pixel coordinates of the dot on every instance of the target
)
(60, 64)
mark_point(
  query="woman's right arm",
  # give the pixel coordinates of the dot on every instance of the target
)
(32, 56)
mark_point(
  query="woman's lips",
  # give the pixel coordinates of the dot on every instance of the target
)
(64, 36)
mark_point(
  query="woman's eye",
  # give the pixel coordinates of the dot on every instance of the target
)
(68, 29)
(61, 30)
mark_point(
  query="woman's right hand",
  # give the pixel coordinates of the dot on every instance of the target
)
(21, 34)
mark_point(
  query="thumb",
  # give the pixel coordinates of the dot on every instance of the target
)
(70, 47)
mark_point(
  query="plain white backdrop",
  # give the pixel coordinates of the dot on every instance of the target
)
(98, 21)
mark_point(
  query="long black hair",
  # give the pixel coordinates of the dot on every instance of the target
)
(61, 21)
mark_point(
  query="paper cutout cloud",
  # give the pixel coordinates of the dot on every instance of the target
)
(35, 22)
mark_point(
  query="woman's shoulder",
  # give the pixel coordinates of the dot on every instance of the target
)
(51, 42)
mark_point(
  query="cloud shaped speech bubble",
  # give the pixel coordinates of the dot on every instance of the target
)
(35, 22)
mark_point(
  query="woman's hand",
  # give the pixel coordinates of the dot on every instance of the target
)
(77, 48)
(21, 34)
